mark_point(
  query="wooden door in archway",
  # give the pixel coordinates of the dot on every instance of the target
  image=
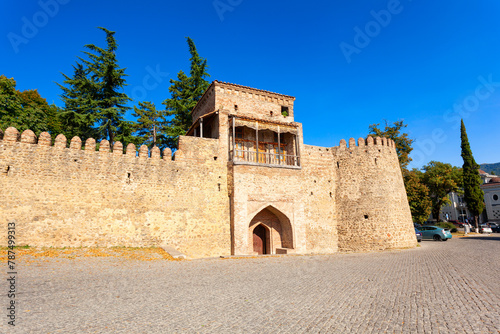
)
(259, 240)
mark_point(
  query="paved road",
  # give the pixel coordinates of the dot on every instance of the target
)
(440, 287)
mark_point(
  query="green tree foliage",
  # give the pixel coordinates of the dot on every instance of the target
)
(473, 194)
(150, 123)
(418, 195)
(107, 82)
(185, 92)
(441, 179)
(94, 95)
(402, 140)
(10, 103)
(77, 117)
(26, 109)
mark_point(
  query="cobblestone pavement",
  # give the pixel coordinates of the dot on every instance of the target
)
(440, 287)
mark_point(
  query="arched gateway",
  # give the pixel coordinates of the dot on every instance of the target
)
(270, 232)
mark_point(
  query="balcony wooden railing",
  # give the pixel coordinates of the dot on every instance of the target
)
(268, 153)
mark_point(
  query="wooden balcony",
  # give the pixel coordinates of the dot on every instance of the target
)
(264, 143)
(268, 154)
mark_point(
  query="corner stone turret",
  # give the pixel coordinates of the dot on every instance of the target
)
(373, 210)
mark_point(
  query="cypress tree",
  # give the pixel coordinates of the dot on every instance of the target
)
(185, 93)
(473, 194)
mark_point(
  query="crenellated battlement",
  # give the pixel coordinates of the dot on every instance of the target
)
(369, 141)
(12, 135)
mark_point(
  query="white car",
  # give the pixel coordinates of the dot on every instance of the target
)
(484, 228)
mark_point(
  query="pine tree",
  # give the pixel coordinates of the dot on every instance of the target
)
(185, 93)
(94, 96)
(77, 117)
(106, 83)
(473, 194)
(149, 124)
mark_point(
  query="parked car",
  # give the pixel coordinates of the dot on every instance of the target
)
(418, 234)
(496, 229)
(485, 228)
(436, 233)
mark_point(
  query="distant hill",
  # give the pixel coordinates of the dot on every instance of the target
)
(489, 168)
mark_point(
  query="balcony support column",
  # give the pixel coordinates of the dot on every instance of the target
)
(234, 140)
(297, 150)
(257, 141)
(279, 146)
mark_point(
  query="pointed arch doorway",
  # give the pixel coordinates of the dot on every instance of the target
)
(260, 238)
(270, 231)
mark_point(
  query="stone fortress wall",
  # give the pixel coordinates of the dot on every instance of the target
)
(63, 196)
(347, 198)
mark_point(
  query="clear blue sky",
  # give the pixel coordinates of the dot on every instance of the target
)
(348, 63)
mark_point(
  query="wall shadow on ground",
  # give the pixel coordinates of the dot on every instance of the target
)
(481, 238)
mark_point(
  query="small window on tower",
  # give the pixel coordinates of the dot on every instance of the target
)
(284, 111)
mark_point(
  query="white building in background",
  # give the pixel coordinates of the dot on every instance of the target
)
(457, 209)
(492, 199)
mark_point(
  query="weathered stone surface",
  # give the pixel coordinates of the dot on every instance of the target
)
(63, 197)
(143, 151)
(104, 146)
(90, 144)
(131, 150)
(155, 153)
(60, 141)
(117, 148)
(28, 137)
(76, 143)
(11, 135)
(352, 142)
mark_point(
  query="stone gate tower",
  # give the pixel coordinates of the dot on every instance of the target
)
(287, 197)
